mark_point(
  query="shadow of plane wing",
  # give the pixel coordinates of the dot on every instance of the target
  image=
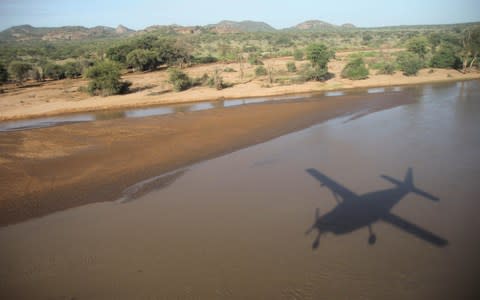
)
(415, 230)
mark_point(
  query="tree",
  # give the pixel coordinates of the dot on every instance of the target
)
(470, 48)
(445, 57)
(410, 63)
(355, 70)
(53, 71)
(105, 79)
(3, 74)
(119, 53)
(319, 55)
(291, 67)
(19, 70)
(72, 69)
(298, 54)
(418, 45)
(143, 60)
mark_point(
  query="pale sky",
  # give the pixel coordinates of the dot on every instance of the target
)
(280, 14)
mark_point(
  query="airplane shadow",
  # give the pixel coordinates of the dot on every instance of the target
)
(357, 211)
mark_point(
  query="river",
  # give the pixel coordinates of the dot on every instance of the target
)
(394, 194)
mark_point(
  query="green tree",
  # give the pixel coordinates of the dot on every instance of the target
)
(53, 71)
(445, 57)
(119, 53)
(418, 45)
(180, 80)
(319, 55)
(105, 79)
(470, 47)
(19, 70)
(72, 69)
(143, 60)
(355, 70)
(410, 63)
(3, 74)
(260, 71)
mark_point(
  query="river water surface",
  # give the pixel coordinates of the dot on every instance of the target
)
(246, 225)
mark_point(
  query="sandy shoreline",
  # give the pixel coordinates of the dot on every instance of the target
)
(151, 89)
(52, 169)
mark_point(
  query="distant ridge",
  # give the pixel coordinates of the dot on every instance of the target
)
(227, 26)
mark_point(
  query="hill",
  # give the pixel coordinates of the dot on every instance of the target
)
(243, 26)
(29, 33)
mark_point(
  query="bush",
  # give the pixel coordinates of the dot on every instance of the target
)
(387, 69)
(3, 74)
(409, 63)
(72, 69)
(418, 45)
(291, 67)
(179, 79)
(260, 71)
(229, 70)
(298, 54)
(355, 70)
(319, 55)
(205, 59)
(53, 71)
(105, 79)
(445, 57)
(19, 70)
(254, 59)
(143, 60)
(216, 80)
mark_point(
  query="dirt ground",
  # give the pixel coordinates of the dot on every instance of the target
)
(152, 88)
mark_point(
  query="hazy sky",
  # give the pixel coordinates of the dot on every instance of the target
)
(280, 14)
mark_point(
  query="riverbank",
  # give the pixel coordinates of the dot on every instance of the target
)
(150, 89)
(52, 169)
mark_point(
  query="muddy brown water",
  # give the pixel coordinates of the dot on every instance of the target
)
(240, 226)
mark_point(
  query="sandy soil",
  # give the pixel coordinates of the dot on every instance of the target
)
(51, 169)
(56, 97)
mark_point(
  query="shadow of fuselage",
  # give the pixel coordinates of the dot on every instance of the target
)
(357, 211)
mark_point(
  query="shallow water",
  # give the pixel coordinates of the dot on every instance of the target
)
(235, 227)
(43, 122)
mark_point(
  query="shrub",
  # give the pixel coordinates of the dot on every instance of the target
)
(445, 57)
(229, 70)
(409, 63)
(298, 54)
(143, 60)
(19, 70)
(260, 71)
(418, 45)
(387, 69)
(355, 70)
(216, 80)
(254, 59)
(105, 79)
(319, 55)
(3, 74)
(53, 71)
(72, 69)
(291, 67)
(180, 80)
(205, 59)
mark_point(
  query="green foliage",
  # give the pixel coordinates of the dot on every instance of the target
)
(319, 55)
(291, 67)
(204, 59)
(298, 54)
(387, 68)
(418, 45)
(19, 70)
(119, 53)
(105, 79)
(260, 71)
(73, 69)
(180, 80)
(216, 81)
(143, 60)
(355, 70)
(53, 71)
(410, 63)
(229, 70)
(255, 59)
(445, 57)
(3, 74)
